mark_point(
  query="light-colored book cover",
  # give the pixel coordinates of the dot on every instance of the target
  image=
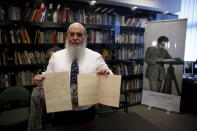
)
(103, 89)
(57, 92)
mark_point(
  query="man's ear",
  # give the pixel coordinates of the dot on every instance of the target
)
(66, 36)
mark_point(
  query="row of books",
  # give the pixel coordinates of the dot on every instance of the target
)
(160, 16)
(40, 57)
(124, 53)
(10, 13)
(6, 80)
(23, 78)
(129, 38)
(49, 36)
(33, 57)
(22, 36)
(58, 13)
(107, 54)
(135, 97)
(100, 36)
(23, 58)
(88, 17)
(52, 36)
(126, 70)
(15, 36)
(129, 85)
(122, 20)
(129, 53)
(61, 14)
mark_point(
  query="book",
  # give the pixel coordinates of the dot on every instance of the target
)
(56, 14)
(27, 36)
(57, 92)
(64, 15)
(13, 13)
(103, 89)
(12, 36)
(22, 34)
(43, 15)
(49, 17)
(34, 12)
(39, 13)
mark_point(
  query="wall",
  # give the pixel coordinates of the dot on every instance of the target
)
(188, 10)
(173, 6)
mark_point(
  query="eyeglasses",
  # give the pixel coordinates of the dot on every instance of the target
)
(79, 34)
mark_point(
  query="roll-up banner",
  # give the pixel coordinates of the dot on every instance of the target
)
(163, 63)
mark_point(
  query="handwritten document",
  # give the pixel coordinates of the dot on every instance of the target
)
(93, 89)
(57, 92)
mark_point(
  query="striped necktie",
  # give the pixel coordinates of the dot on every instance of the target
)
(73, 81)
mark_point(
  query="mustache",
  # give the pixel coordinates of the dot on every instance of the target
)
(75, 41)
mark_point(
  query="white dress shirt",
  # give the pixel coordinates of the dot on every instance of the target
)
(89, 62)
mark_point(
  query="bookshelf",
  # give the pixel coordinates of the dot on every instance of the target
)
(29, 29)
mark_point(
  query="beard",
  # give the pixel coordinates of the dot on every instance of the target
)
(75, 52)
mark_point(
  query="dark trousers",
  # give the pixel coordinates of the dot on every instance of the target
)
(74, 117)
(39, 118)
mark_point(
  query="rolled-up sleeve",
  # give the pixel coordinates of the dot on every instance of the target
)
(100, 62)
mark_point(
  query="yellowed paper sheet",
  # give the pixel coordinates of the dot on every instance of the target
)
(57, 92)
(110, 90)
(88, 89)
(93, 89)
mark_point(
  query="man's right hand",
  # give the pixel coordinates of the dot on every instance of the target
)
(38, 80)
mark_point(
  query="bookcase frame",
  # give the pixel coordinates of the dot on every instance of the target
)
(33, 26)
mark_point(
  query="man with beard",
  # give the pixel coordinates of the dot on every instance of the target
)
(88, 62)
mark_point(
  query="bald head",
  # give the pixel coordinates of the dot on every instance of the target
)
(77, 26)
(76, 34)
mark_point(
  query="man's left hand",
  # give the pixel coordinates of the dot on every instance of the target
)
(102, 71)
